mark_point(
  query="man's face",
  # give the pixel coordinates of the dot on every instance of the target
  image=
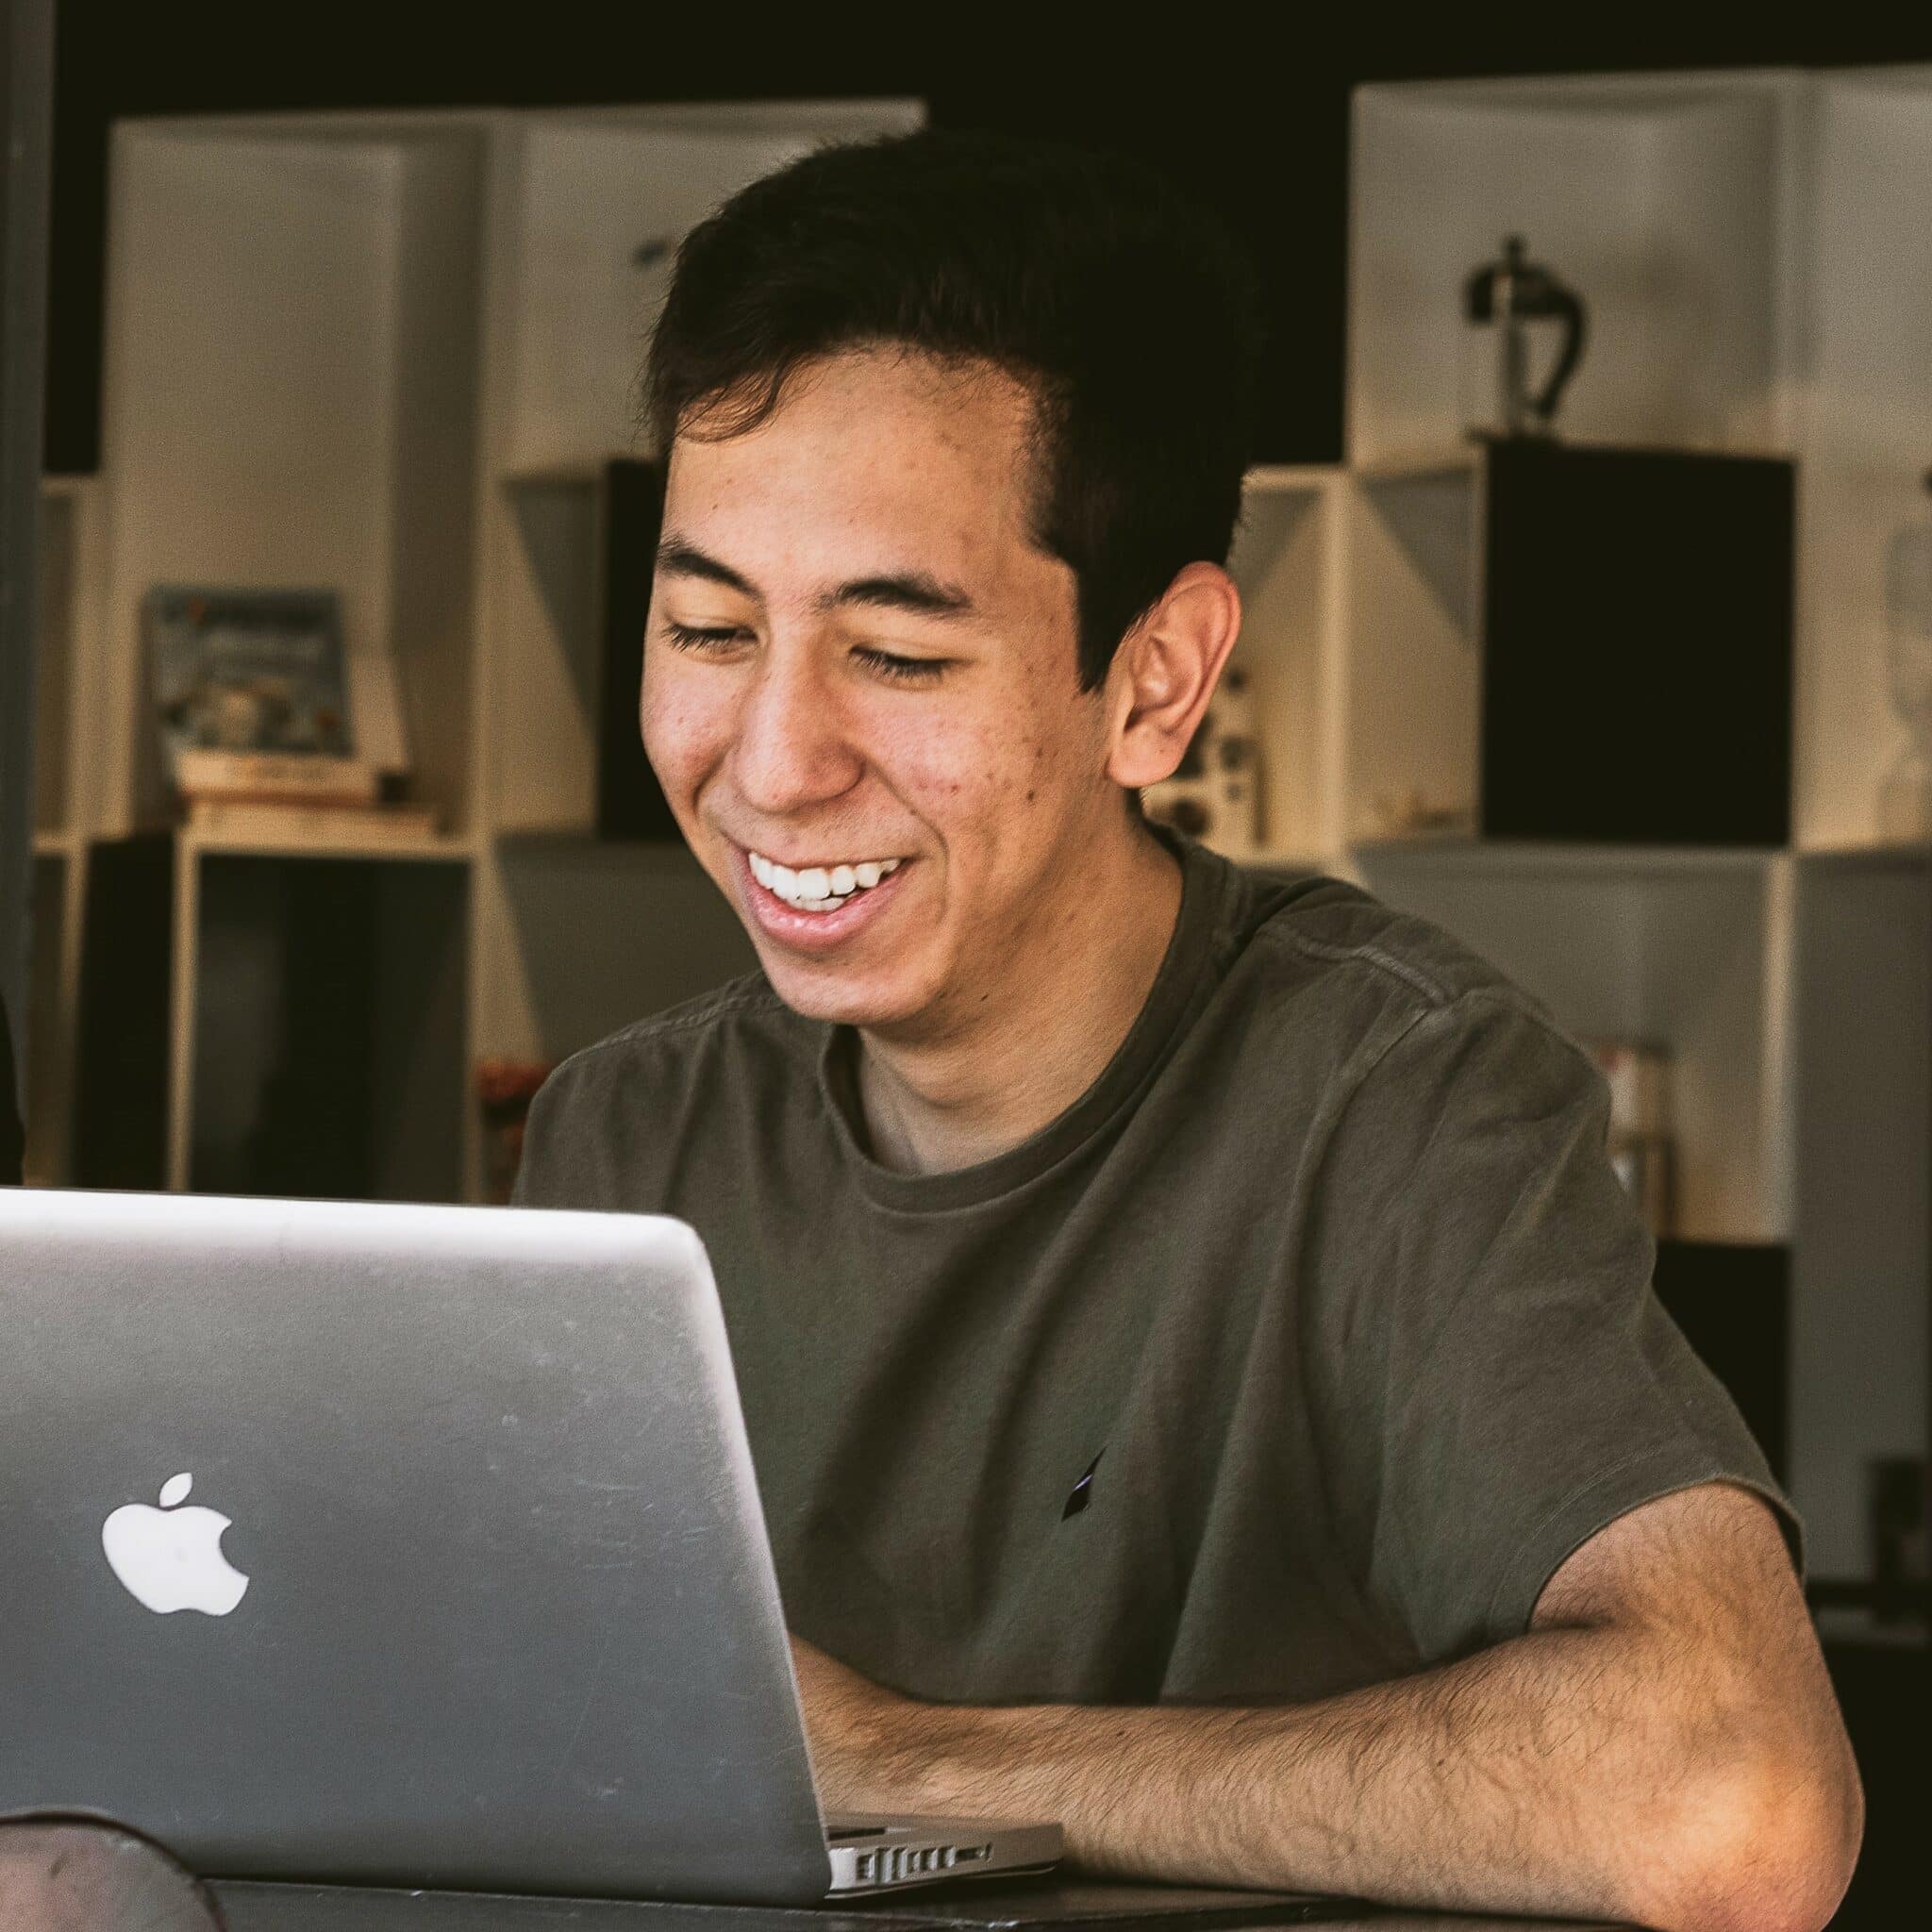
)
(860, 668)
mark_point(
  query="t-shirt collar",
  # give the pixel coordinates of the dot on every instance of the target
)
(1184, 977)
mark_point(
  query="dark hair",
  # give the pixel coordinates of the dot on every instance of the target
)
(1125, 308)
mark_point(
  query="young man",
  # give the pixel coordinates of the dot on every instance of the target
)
(1200, 1365)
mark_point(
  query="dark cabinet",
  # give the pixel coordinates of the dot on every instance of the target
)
(1636, 613)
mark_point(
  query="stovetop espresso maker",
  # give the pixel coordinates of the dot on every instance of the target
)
(1525, 338)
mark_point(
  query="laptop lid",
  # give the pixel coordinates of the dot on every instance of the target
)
(493, 1606)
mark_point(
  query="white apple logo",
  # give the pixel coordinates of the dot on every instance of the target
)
(171, 1559)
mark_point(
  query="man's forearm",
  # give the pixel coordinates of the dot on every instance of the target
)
(1561, 1773)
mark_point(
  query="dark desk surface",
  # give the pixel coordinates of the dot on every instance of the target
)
(255, 1908)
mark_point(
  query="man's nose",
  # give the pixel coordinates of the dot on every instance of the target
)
(792, 747)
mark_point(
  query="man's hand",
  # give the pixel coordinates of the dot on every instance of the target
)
(1662, 1747)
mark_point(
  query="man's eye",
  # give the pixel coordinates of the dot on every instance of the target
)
(684, 636)
(901, 669)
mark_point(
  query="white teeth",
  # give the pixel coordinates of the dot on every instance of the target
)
(819, 888)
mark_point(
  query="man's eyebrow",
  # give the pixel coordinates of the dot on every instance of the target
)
(916, 591)
(677, 557)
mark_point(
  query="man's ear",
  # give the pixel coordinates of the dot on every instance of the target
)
(1164, 674)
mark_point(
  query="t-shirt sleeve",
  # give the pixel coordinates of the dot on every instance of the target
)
(557, 1167)
(1501, 1380)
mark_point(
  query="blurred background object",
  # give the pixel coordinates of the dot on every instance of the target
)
(505, 1089)
(1527, 329)
(1639, 1080)
(1215, 794)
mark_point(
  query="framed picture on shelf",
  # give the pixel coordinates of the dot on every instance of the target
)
(248, 672)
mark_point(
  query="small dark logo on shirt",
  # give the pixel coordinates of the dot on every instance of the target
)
(1082, 1493)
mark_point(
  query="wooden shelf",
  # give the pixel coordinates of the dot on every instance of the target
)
(1461, 852)
(443, 850)
(1287, 479)
(1912, 858)
(1415, 466)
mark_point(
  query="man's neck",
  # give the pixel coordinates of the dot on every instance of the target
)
(980, 1087)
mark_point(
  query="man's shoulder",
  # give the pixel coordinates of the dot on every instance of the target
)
(1329, 935)
(619, 1119)
(1357, 1006)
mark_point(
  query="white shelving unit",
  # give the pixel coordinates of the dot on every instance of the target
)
(1753, 252)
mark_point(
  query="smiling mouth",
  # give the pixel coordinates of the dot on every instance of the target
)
(820, 888)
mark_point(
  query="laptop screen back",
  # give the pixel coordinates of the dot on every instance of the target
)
(493, 1607)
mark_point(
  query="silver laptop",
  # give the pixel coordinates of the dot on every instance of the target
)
(411, 1547)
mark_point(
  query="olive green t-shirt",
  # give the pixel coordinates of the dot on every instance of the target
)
(1294, 1356)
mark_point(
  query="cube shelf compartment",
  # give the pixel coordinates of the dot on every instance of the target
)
(1670, 202)
(264, 1023)
(291, 393)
